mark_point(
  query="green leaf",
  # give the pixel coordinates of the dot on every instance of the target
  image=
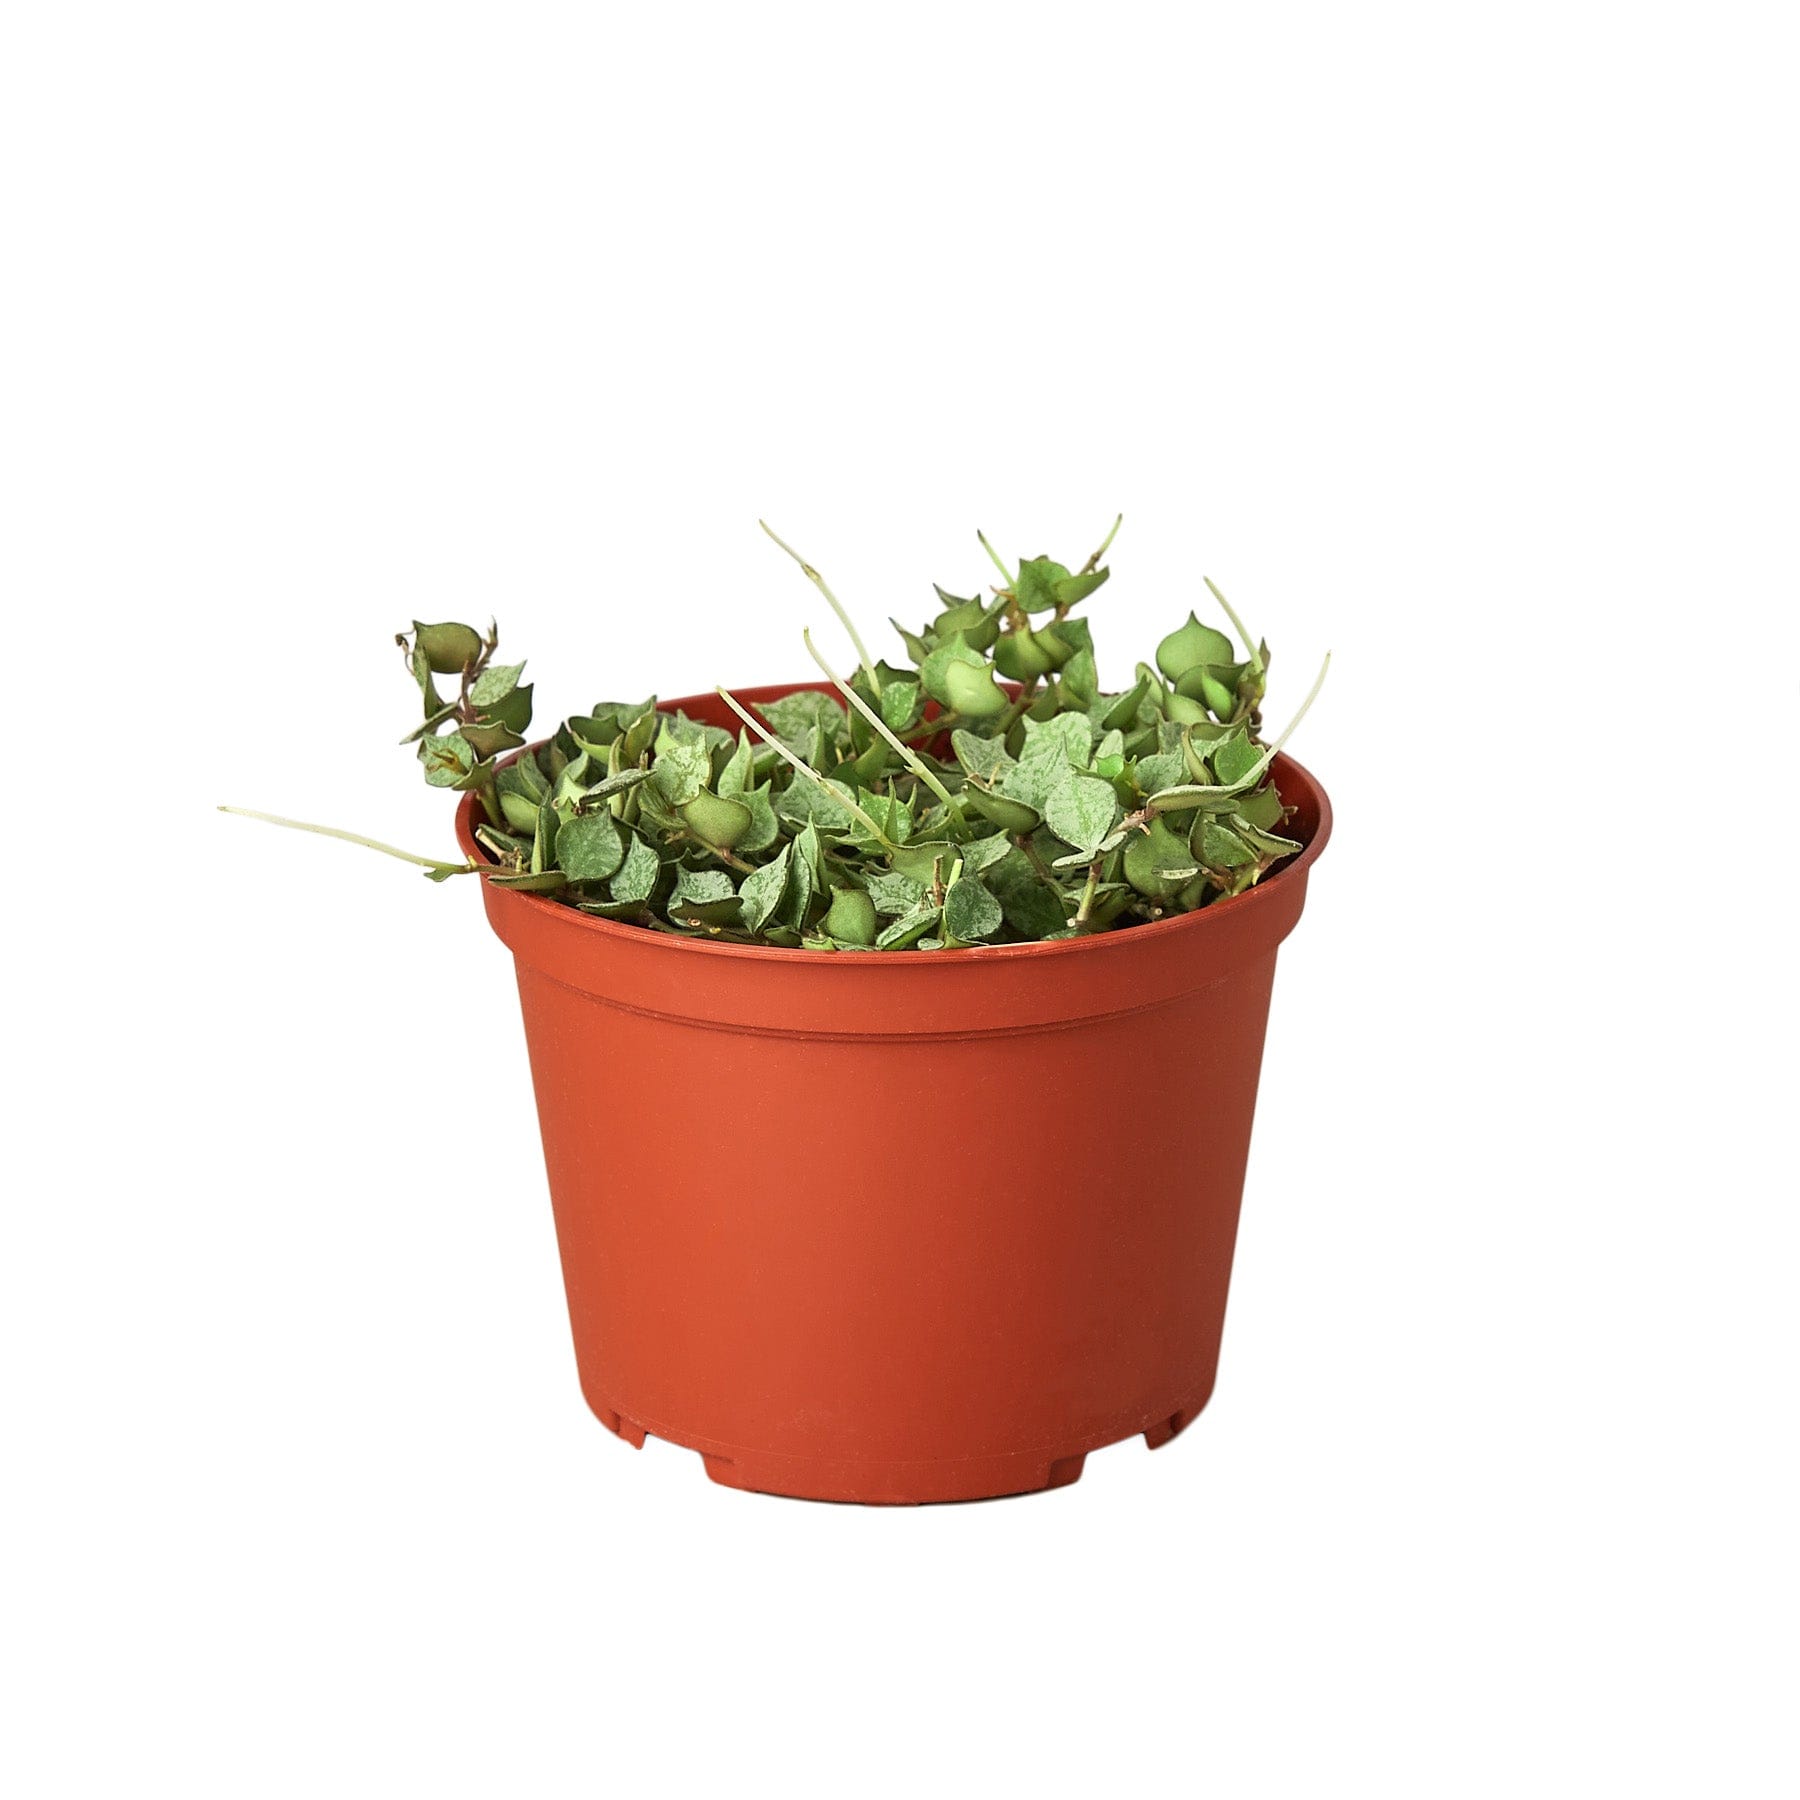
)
(1220, 847)
(421, 670)
(1123, 711)
(491, 740)
(1263, 808)
(802, 803)
(589, 847)
(802, 882)
(571, 782)
(494, 683)
(635, 881)
(1037, 588)
(907, 930)
(899, 705)
(1233, 759)
(983, 758)
(892, 814)
(682, 769)
(1080, 679)
(1158, 861)
(1067, 738)
(762, 890)
(520, 813)
(543, 838)
(765, 828)
(971, 913)
(1189, 645)
(984, 852)
(704, 897)
(1160, 771)
(447, 758)
(923, 862)
(640, 730)
(1081, 811)
(798, 715)
(894, 893)
(655, 814)
(1077, 587)
(1265, 843)
(739, 771)
(917, 647)
(1033, 908)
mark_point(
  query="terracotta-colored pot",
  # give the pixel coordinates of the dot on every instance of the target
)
(904, 1226)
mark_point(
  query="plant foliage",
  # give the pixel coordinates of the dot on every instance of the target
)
(986, 790)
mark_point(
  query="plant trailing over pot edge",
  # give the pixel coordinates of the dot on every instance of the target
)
(986, 792)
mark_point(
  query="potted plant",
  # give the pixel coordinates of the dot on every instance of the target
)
(895, 1035)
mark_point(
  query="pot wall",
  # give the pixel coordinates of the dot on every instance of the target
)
(899, 1226)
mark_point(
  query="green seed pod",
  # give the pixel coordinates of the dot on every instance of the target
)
(720, 823)
(449, 648)
(1190, 645)
(851, 919)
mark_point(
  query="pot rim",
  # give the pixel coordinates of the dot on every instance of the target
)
(907, 959)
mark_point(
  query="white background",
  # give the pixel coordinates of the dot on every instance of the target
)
(1458, 340)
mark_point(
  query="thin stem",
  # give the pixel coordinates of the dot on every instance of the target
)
(806, 769)
(907, 756)
(433, 720)
(1011, 578)
(818, 581)
(1087, 895)
(1254, 773)
(1093, 562)
(356, 837)
(1256, 661)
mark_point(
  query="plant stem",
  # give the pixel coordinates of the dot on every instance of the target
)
(907, 756)
(1254, 774)
(356, 837)
(806, 769)
(1249, 642)
(818, 581)
(1011, 579)
(1087, 895)
(1093, 562)
(447, 711)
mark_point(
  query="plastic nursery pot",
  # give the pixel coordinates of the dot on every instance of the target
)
(900, 1226)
